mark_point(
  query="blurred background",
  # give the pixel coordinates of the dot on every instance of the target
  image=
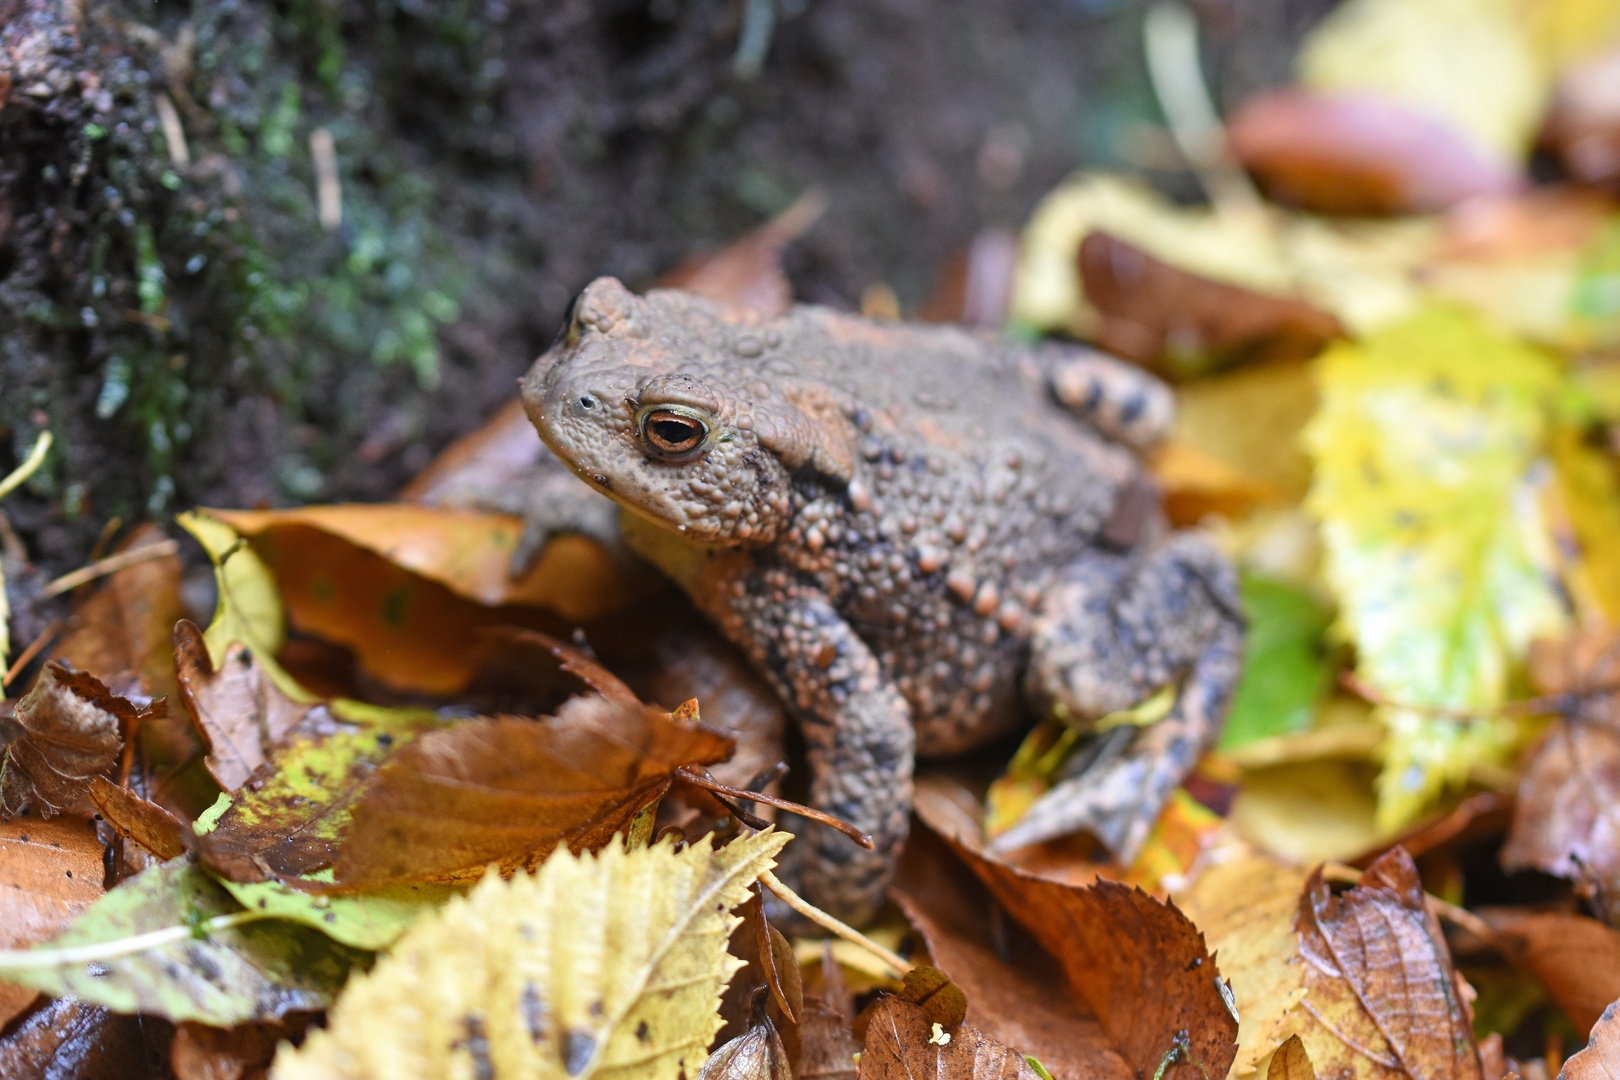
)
(175, 309)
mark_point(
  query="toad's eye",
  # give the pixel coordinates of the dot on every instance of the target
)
(672, 434)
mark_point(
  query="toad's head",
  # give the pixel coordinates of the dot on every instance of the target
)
(658, 402)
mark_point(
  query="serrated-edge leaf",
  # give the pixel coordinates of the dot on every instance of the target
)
(599, 965)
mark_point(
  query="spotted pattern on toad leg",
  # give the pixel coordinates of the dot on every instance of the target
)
(907, 529)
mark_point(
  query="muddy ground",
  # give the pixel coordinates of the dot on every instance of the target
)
(174, 309)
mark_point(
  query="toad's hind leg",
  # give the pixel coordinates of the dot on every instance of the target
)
(1116, 629)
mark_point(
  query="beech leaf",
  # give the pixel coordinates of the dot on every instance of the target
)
(599, 965)
(1601, 1058)
(49, 872)
(509, 789)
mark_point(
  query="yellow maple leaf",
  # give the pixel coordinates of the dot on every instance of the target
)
(1427, 445)
(604, 965)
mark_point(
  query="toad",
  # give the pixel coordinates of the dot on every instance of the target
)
(917, 534)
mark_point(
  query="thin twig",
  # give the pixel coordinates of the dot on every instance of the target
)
(842, 929)
(699, 778)
(32, 651)
(110, 565)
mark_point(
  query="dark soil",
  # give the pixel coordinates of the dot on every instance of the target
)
(192, 334)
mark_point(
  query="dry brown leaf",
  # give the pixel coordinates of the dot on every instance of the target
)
(49, 872)
(1567, 821)
(128, 623)
(1291, 1062)
(408, 588)
(900, 1045)
(825, 1047)
(482, 468)
(1346, 153)
(756, 1054)
(1019, 997)
(200, 1052)
(1181, 323)
(69, 1037)
(1139, 964)
(1601, 1058)
(240, 713)
(1576, 958)
(72, 730)
(509, 789)
(144, 822)
(748, 271)
(1379, 978)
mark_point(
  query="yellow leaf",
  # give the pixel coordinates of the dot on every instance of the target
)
(1466, 61)
(1589, 501)
(1425, 445)
(605, 965)
(249, 608)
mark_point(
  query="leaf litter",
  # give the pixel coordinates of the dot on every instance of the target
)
(1401, 429)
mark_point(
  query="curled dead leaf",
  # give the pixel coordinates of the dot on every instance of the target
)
(144, 822)
(1576, 958)
(72, 730)
(241, 714)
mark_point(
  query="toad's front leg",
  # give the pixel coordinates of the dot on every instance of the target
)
(1116, 629)
(856, 725)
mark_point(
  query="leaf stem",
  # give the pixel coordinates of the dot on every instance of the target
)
(842, 929)
(27, 959)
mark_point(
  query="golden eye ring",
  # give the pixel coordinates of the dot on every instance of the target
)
(673, 432)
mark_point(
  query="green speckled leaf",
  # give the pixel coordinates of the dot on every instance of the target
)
(1427, 448)
(287, 820)
(368, 920)
(256, 971)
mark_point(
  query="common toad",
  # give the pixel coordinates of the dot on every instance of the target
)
(914, 532)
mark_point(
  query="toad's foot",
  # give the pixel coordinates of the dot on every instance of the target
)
(1108, 638)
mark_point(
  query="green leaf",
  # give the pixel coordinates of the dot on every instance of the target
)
(171, 941)
(1285, 665)
(369, 920)
(1426, 446)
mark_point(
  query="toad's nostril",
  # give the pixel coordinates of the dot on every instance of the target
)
(587, 401)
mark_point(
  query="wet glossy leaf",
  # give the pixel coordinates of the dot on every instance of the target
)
(509, 789)
(1425, 448)
(49, 872)
(68, 1037)
(72, 731)
(600, 965)
(221, 976)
